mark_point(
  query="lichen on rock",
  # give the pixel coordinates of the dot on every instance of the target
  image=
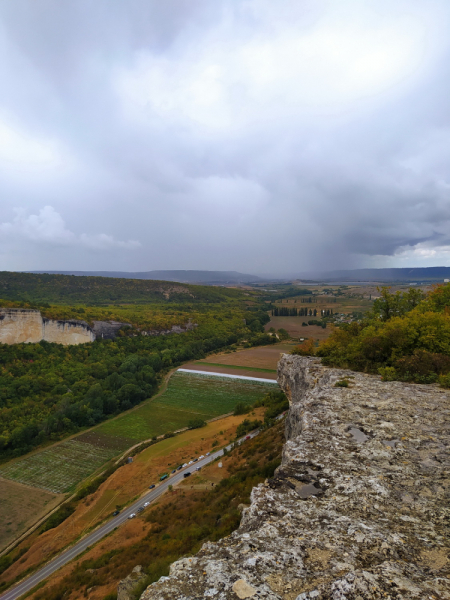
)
(127, 585)
(346, 516)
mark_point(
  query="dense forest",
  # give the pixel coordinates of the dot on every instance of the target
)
(48, 390)
(405, 337)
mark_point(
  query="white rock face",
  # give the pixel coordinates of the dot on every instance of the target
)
(19, 325)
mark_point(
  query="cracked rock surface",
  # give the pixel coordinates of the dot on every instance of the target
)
(359, 508)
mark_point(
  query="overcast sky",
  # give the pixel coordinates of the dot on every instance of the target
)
(252, 135)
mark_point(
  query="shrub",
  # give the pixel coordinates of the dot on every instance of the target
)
(58, 516)
(341, 383)
(241, 409)
(304, 349)
(444, 380)
(387, 373)
(196, 423)
(421, 364)
(247, 426)
(283, 334)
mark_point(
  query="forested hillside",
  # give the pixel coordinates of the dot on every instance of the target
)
(48, 391)
(70, 289)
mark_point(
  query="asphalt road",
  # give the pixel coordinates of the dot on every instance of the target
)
(91, 539)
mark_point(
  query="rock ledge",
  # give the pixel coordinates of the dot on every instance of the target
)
(358, 509)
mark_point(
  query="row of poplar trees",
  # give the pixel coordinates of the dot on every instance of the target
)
(284, 311)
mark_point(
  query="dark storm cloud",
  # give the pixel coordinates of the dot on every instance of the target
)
(255, 136)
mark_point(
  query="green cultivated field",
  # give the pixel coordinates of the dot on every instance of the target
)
(58, 468)
(188, 396)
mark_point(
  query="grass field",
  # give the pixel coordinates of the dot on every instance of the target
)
(58, 468)
(188, 396)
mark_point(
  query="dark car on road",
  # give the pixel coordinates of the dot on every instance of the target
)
(150, 487)
(115, 513)
(186, 474)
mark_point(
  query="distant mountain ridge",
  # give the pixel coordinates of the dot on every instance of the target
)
(395, 274)
(181, 276)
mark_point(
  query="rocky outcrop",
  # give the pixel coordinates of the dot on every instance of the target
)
(107, 329)
(18, 325)
(127, 585)
(174, 329)
(358, 509)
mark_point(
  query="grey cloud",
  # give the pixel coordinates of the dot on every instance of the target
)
(218, 136)
(48, 228)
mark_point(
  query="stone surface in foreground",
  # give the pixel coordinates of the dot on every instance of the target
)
(358, 509)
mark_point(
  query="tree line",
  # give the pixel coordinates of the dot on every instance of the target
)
(285, 311)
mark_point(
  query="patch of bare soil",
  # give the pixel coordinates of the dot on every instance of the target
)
(21, 506)
(262, 357)
(294, 327)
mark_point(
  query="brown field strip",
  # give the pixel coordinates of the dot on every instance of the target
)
(294, 327)
(21, 506)
(262, 357)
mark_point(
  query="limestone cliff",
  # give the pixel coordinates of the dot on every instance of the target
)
(22, 325)
(358, 509)
(19, 325)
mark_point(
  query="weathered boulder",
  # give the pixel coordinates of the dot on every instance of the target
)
(127, 585)
(358, 509)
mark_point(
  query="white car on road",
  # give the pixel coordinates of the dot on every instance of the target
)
(132, 516)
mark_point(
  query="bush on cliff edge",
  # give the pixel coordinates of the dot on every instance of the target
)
(405, 337)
